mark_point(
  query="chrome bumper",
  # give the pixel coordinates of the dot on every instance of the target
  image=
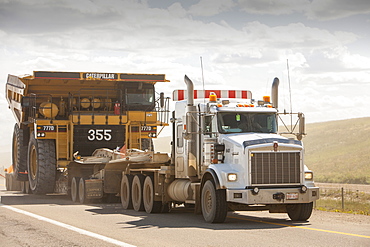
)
(273, 195)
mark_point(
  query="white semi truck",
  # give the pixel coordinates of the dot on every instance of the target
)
(226, 155)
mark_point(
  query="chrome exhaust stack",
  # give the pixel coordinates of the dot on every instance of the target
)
(275, 93)
(191, 129)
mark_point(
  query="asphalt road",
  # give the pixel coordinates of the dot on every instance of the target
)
(53, 220)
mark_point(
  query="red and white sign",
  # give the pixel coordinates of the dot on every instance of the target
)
(201, 94)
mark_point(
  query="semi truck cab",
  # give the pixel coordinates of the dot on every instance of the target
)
(232, 140)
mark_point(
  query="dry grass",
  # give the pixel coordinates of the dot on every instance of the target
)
(339, 151)
(356, 202)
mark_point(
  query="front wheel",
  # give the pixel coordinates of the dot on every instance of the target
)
(41, 165)
(300, 212)
(19, 150)
(214, 205)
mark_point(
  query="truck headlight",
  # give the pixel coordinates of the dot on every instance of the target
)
(232, 177)
(308, 175)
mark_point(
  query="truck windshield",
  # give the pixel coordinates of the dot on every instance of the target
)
(243, 122)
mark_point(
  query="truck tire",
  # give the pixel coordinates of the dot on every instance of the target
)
(82, 192)
(19, 150)
(41, 165)
(214, 205)
(137, 192)
(126, 185)
(74, 189)
(150, 205)
(300, 212)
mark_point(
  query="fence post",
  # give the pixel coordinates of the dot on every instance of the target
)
(342, 198)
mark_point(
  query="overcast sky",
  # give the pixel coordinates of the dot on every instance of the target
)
(244, 44)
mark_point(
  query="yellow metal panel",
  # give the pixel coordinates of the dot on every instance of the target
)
(99, 119)
(139, 116)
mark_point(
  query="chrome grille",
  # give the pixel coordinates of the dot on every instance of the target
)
(275, 168)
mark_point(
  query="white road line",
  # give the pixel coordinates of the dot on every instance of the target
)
(76, 229)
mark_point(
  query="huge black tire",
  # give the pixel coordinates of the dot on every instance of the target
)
(137, 192)
(19, 150)
(125, 192)
(214, 205)
(41, 165)
(300, 212)
(150, 205)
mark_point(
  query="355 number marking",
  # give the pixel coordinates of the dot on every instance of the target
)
(99, 135)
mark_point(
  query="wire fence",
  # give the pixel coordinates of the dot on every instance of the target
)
(349, 198)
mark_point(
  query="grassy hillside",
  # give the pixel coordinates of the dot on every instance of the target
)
(339, 151)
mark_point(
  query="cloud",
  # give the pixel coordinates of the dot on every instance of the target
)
(261, 44)
(296, 35)
(130, 36)
(312, 9)
(210, 7)
(336, 9)
(282, 7)
(177, 10)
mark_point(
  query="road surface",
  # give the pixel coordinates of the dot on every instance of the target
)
(53, 220)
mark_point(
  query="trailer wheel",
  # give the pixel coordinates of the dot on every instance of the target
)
(137, 192)
(150, 205)
(214, 206)
(126, 184)
(19, 150)
(74, 189)
(41, 165)
(300, 212)
(82, 191)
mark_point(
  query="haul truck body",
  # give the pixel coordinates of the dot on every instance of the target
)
(226, 155)
(61, 116)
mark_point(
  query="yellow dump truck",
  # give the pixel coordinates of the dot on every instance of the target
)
(61, 116)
